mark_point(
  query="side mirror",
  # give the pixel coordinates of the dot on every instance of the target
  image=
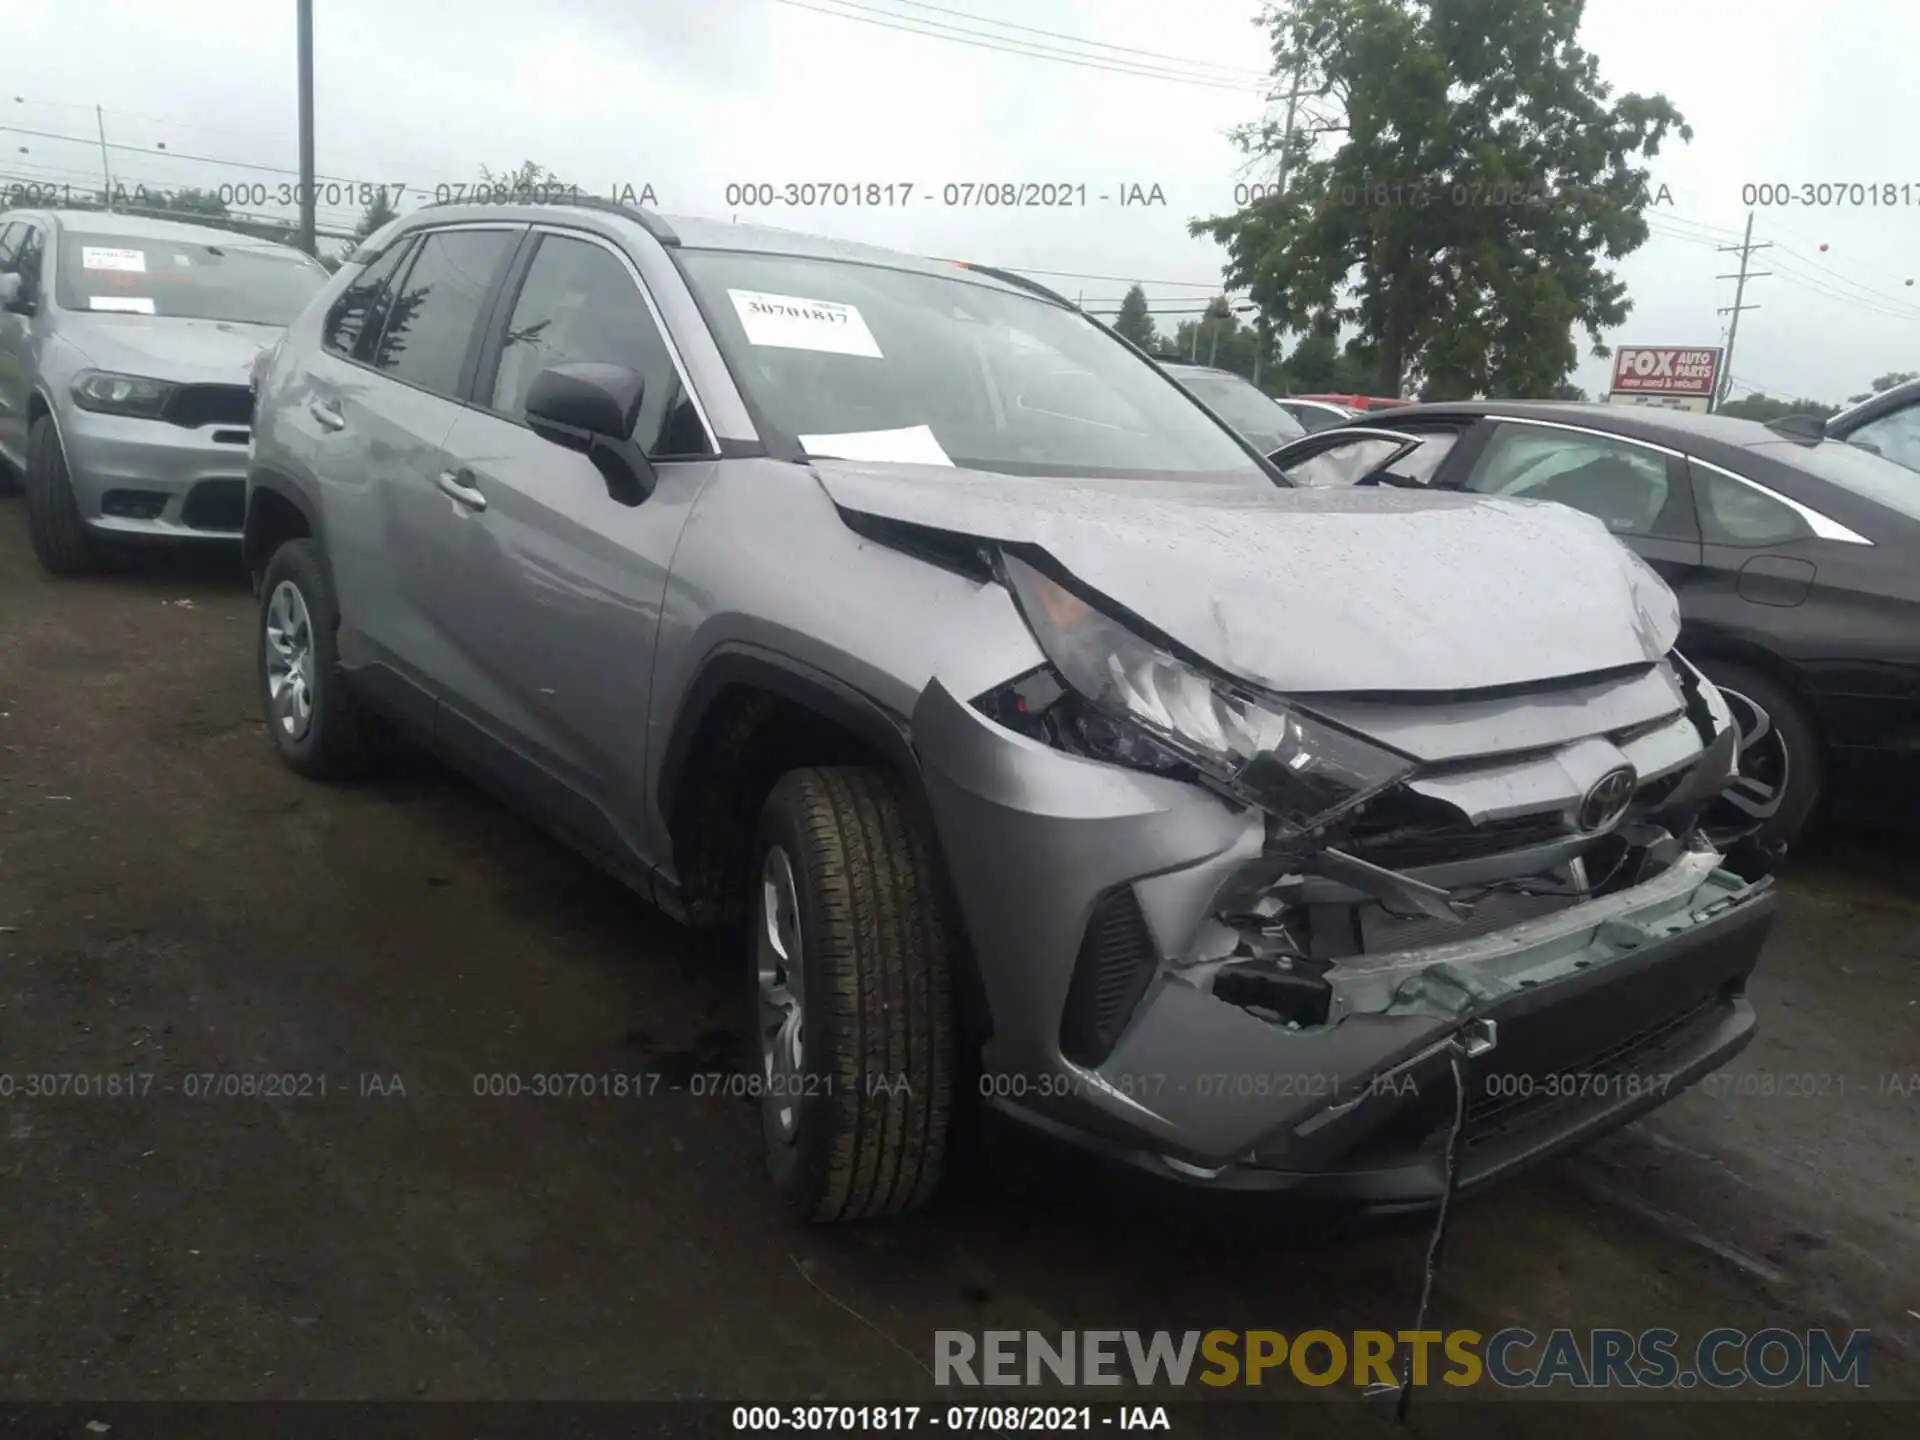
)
(14, 297)
(593, 409)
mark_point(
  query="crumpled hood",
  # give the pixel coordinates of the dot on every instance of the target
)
(1316, 590)
(196, 352)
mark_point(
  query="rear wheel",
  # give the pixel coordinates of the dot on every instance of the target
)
(60, 537)
(1759, 817)
(317, 725)
(850, 952)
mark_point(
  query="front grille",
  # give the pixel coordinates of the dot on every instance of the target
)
(215, 505)
(1115, 965)
(1403, 829)
(192, 406)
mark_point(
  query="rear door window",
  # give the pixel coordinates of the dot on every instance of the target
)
(352, 322)
(434, 315)
(1625, 485)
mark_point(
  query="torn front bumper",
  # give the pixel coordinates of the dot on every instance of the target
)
(1596, 1011)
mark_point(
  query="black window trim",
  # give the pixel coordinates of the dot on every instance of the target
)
(487, 359)
(421, 235)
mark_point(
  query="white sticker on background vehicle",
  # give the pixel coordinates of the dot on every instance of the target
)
(789, 322)
(914, 445)
(95, 257)
(122, 304)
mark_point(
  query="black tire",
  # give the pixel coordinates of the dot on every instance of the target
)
(340, 741)
(875, 1086)
(1764, 850)
(60, 537)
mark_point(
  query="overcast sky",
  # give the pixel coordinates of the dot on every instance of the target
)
(689, 96)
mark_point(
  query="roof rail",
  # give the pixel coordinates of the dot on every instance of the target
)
(1033, 287)
(649, 221)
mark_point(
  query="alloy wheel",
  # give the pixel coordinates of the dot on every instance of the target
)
(289, 654)
(781, 984)
(1757, 792)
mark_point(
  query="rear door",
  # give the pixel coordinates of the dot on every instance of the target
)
(548, 590)
(392, 401)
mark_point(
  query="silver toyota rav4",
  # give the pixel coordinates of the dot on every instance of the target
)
(125, 347)
(1036, 743)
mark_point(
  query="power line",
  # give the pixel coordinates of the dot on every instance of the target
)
(1118, 279)
(1232, 70)
(934, 31)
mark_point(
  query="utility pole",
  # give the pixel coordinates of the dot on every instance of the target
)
(106, 167)
(305, 44)
(1745, 248)
(1261, 339)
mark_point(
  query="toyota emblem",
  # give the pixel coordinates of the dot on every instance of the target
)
(1607, 801)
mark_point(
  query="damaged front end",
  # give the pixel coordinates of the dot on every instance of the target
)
(1233, 936)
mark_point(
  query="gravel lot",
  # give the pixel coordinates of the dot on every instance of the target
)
(173, 903)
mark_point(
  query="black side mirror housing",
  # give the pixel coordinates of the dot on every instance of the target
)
(593, 408)
(16, 296)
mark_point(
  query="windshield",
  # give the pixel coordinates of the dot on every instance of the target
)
(1244, 406)
(1872, 477)
(868, 363)
(245, 282)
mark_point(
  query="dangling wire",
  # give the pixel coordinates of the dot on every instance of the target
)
(1457, 1062)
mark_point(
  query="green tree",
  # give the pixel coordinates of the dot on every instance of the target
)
(525, 180)
(1220, 338)
(1765, 407)
(378, 212)
(1135, 322)
(1483, 175)
(1884, 382)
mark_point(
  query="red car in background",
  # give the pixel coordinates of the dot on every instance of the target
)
(1356, 402)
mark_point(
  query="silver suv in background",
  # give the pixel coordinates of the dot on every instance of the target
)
(125, 351)
(1015, 719)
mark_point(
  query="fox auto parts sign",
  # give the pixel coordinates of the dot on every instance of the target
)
(1665, 375)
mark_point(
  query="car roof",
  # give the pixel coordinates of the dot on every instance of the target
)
(694, 232)
(1886, 399)
(1643, 422)
(142, 227)
(1201, 369)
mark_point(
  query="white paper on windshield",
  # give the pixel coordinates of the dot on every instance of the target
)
(124, 304)
(95, 257)
(914, 445)
(790, 322)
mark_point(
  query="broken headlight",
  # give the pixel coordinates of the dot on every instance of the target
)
(1147, 708)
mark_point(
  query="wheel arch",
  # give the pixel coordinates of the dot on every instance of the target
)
(1704, 646)
(749, 717)
(278, 510)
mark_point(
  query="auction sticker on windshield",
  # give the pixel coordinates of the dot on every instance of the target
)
(789, 322)
(96, 257)
(915, 445)
(123, 304)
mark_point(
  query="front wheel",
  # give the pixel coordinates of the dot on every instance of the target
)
(850, 952)
(1759, 816)
(61, 539)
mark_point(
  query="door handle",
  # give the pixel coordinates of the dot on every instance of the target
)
(453, 483)
(329, 417)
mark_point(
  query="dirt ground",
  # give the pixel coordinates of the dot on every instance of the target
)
(174, 904)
